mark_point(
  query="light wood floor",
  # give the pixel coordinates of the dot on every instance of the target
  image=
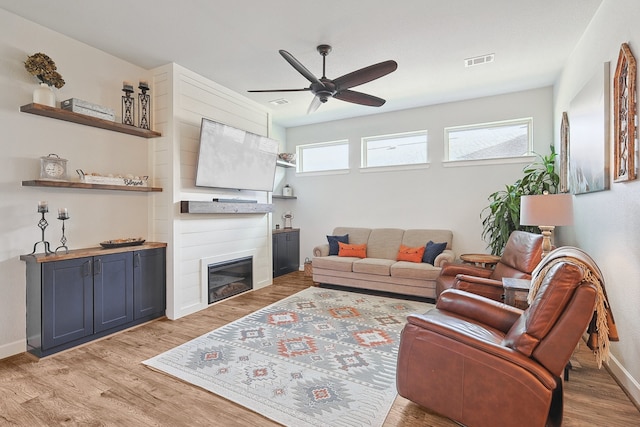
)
(104, 383)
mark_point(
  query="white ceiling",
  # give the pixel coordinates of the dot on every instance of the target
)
(235, 43)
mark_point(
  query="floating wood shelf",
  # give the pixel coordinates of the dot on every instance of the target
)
(83, 119)
(278, 196)
(195, 207)
(76, 184)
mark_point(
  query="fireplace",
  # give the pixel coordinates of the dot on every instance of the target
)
(229, 278)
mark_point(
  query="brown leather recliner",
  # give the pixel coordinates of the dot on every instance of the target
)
(483, 363)
(522, 253)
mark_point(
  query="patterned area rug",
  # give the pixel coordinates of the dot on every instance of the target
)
(317, 358)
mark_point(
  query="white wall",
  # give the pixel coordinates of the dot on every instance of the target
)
(96, 215)
(607, 222)
(437, 197)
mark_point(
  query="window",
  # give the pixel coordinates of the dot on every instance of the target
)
(509, 138)
(324, 156)
(395, 150)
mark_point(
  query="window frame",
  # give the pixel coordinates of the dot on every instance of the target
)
(526, 157)
(300, 157)
(364, 152)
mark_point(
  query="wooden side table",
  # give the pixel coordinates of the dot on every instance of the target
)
(516, 292)
(481, 260)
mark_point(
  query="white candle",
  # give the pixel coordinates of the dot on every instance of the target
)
(43, 206)
(63, 213)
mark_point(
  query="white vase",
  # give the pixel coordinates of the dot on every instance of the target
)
(44, 95)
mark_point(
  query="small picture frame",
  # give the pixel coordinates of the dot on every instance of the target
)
(624, 112)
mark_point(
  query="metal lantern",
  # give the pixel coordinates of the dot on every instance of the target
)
(144, 106)
(128, 105)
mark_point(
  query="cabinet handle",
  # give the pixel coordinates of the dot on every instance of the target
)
(136, 260)
(97, 269)
(86, 269)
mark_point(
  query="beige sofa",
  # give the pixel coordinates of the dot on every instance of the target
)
(379, 270)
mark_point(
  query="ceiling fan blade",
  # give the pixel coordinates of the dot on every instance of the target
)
(315, 103)
(281, 90)
(365, 74)
(299, 67)
(359, 98)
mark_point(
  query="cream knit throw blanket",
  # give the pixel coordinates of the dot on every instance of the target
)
(602, 350)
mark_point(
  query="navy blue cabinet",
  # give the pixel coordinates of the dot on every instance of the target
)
(72, 301)
(112, 291)
(286, 251)
(149, 278)
(67, 295)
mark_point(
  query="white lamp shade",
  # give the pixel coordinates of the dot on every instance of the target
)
(546, 209)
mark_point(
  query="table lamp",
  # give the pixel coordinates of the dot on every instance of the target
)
(546, 211)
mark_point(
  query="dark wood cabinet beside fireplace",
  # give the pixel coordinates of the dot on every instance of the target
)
(89, 293)
(286, 251)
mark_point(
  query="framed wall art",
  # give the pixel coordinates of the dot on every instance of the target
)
(624, 113)
(564, 153)
(588, 145)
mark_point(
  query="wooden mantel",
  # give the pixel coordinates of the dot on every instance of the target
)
(199, 207)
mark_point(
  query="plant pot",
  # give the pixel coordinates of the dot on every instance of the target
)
(44, 95)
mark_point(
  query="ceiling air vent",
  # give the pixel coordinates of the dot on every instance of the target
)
(279, 101)
(479, 60)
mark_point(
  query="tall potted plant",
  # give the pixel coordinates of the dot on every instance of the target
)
(502, 216)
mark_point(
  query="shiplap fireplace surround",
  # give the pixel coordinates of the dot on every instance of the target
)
(182, 98)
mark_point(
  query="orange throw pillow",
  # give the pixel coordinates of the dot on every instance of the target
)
(410, 254)
(346, 249)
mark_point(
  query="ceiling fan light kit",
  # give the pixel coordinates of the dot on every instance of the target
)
(324, 88)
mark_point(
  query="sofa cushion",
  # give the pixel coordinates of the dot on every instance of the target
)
(384, 243)
(333, 243)
(420, 237)
(333, 262)
(377, 266)
(432, 250)
(406, 253)
(357, 235)
(412, 270)
(347, 250)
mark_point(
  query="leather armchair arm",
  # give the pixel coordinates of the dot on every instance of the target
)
(486, 287)
(453, 269)
(479, 309)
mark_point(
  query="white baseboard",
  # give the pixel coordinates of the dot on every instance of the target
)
(626, 381)
(13, 348)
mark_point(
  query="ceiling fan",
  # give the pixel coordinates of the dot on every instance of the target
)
(324, 88)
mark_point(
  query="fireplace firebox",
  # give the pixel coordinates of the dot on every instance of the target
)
(230, 278)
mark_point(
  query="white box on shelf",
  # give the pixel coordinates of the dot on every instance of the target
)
(83, 107)
(135, 181)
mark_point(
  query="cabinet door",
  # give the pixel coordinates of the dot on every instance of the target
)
(149, 283)
(274, 254)
(113, 290)
(293, 251)
(286, 252)
(67, 301)
(279, 254)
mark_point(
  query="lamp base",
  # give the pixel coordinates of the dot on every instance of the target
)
(547, 238)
